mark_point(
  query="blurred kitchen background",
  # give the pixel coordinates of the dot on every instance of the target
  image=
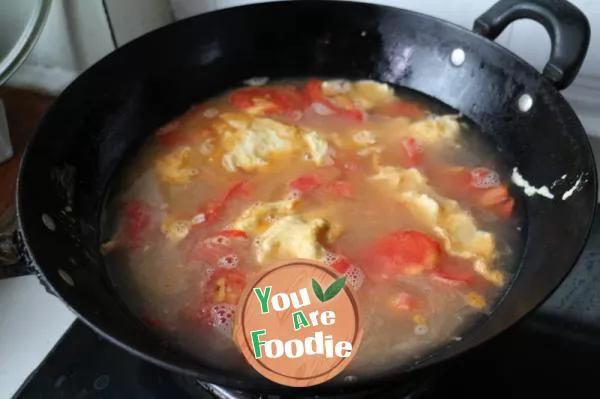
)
(77, 33)
(80, 32)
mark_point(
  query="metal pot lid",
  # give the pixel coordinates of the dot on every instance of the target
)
(26, 41)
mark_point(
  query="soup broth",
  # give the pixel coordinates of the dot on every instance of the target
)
(392, 190)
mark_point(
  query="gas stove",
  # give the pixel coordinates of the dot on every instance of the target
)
(554, 351)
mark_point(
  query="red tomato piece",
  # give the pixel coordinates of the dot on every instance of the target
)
(461, 177)
(505, 209)
(171, 139)
(400, 108)
(137, 215)
(214, 209)
(216, 249)
(484, 178)
(316, 179)
(354, 275)
(233, 234)
(341, 264)
(238, 190)
(208, 253)
(403, 252)
(153, 322)
(291, 98)
(274, 101)
(314, 92)
(455, 270)
(251, 96)
(305, 183)
(168, 135)
(225, 286)
(403, 301)
(480, 186)
(492, 197)
(342, 189)
(473, 179)
(411, 151)
(455, 179)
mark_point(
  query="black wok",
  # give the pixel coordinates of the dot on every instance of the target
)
(102, 118)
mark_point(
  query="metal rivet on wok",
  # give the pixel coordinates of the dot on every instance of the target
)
(48, 222)
(525, 102)
(66, 277)
(458, 57)
(101, 382)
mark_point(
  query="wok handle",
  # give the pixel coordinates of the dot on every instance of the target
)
(568, 27)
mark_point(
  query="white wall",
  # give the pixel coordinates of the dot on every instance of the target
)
(76, 35)
(131, 19)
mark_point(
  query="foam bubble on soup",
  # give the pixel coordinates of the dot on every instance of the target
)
(355, 277)
(222, 317)
(485, 178)
(228, 261)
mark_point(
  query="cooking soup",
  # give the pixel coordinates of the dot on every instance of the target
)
(389, 189)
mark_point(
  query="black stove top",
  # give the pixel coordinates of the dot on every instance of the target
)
(554, 351)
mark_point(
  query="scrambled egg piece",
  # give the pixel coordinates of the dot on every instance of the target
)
(475, 300)
(437, 130)
(464, 238)
(207, 147)
(422, 206)
(369, 151)
(400, 179)
(251, 143)
(282, 235)
(362, 141)
(261, 105)
(175, 230)
(457, 230)
(318, 148)
(364, 138)
(175, 167)
(258, 217)
(335, 227)
(231, 121)
(455, 227)
(292, 237)
(250, 146)
(434, 130)
(365, 94)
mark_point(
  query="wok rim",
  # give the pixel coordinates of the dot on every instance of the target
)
(204, 372)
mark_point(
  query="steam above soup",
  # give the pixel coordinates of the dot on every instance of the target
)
(402, 199)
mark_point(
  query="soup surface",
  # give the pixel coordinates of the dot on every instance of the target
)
(393, 191)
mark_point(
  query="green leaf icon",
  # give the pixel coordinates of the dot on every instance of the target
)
(330, 292)
(334, 289)
(318, 290)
